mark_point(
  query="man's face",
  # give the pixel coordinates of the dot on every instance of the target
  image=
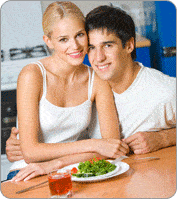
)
(106, 54)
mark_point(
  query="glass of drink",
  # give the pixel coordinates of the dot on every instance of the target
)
(60, 184)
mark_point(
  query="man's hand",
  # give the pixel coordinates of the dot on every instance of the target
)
(144, 142)
(13, 149)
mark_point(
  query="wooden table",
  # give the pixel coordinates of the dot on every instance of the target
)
(144, 179)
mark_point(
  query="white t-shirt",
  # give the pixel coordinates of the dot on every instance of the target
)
(149, 104)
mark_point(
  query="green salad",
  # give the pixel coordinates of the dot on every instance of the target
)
(94, 167)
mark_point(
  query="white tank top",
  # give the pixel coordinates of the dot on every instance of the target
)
(61, 124)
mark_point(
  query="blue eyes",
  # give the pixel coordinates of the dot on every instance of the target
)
(66, 39)
(63, 40)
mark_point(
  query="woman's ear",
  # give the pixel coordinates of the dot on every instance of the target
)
(48, 41)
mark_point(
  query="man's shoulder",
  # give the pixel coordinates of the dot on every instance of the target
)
(159, 79)
(157, 85)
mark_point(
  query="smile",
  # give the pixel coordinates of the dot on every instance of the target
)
(103, 67)
(76, 54)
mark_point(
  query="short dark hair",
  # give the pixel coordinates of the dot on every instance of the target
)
(114, 20)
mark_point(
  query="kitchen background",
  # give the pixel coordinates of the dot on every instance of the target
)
(21, 43)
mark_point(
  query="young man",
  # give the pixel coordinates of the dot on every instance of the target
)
(144, 97)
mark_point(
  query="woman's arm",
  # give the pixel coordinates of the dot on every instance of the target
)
(29, 90)
(107, 112)
(42, 168)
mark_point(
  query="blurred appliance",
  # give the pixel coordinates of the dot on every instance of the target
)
(160, 19)
(8, 115)
(24, 53)
(2, 55)
(166, 29)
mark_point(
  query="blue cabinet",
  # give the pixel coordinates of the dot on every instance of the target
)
(161, 30)
(143, 56)
(86, 61)
(166, 31)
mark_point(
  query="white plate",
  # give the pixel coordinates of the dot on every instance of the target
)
(121, 168)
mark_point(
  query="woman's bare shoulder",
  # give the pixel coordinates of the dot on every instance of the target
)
(99, 81)
(30, 73)
(99, 86)
(31, 69)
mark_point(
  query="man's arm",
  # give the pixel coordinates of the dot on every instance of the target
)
(13, 150)
(146, 142)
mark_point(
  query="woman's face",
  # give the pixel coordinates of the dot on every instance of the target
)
(69, 40)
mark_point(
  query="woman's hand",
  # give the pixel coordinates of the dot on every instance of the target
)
(112, 148)
(36, 169)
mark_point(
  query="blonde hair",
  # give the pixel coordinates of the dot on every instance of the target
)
(59, 10)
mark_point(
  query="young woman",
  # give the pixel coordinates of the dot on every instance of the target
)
(54, 100)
